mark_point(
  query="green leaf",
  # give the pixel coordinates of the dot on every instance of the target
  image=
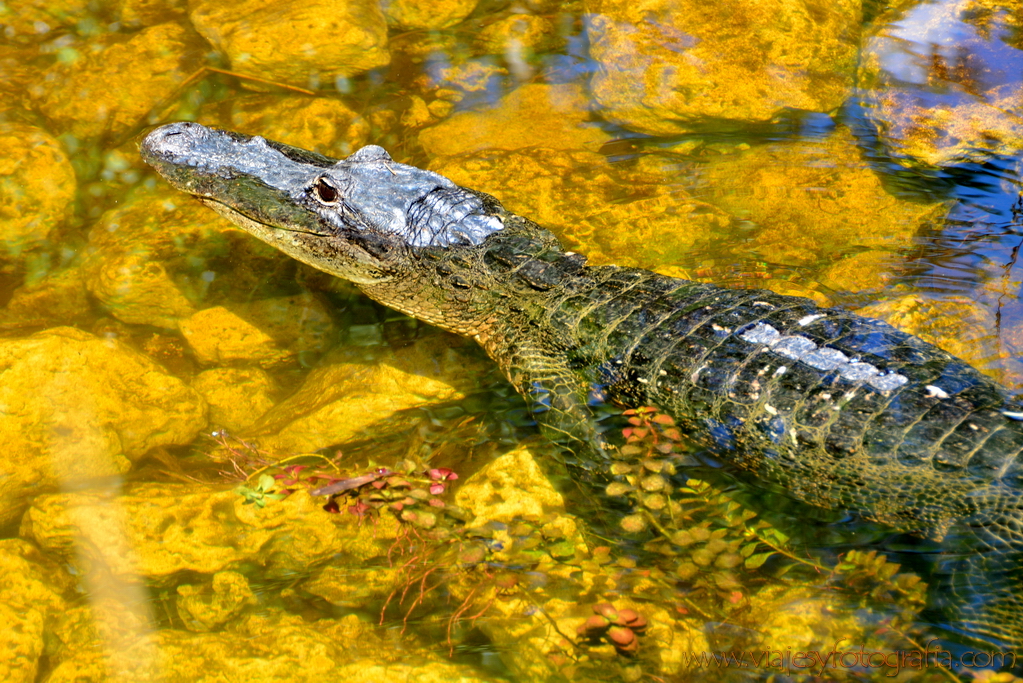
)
(757, 560)
(266, 482)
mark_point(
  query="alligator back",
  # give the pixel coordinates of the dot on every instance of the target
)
(841, 411)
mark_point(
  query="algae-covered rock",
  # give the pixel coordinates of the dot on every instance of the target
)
(76, 406)
(209, 606)
(154, 531)
(321, 124)
(156, 259)
(341, 587)
(582, 199)
(532, 115)
(341, 400)
(669, 66)
(275, 646)
(136, 13)
(519, 34)
(943, 81)
(328, 39)
(237, 397)
(410, 14)
(108, 92)
(511, 486)
(59, 298)
(37, 20)
(962, 326)
(32, 597)
(37, 186)
(218, 336)
(813, 201)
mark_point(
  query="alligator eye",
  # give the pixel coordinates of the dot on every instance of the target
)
(326, 192)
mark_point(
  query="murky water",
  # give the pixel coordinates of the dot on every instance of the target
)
(173, 390)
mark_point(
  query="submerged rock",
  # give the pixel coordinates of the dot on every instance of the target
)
(209, 606)
(585, 202)
(943, 81)
(411, 14)
(37, 186)
(59, 298)
(670, 66)
(812, 201)
(964, 327)
(274, 646)
(155, 531)
(237, 397)
(532, 115)
(108, 92)
(327, 39)
(78, 407)
(321, 124)
(156, 260)
(339, 401)
(218, 336)
(33, 595)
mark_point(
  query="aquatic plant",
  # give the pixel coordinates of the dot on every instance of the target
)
(619, 627)
(262, 492)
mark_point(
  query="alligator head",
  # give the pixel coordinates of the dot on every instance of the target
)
(359, 218)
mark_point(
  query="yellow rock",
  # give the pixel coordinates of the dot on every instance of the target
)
(138, 291)
(524, 34)
(668, 66)
(157, 257)
(218, 336)
(321, 124)
(37, 185)
(339, 401)
(272, 647)
(37, 20)
(76, 406)
(532, 115)
(154, 531)
(840, 206)
(941, 81)
(32, 591)
(511, 486)
(327, 39)
(209, 606)
(107, 92)
(237, 397)
(582, 199)
(59, 298)
(411, 14)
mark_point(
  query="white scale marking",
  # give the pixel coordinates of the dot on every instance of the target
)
(822, 358)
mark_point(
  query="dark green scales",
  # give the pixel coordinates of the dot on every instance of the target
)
(840, 411)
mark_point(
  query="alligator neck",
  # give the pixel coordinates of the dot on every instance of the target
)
(491, 291)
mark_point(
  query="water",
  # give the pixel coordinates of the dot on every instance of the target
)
(155, 360)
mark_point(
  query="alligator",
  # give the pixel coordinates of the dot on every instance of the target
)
(837, 410)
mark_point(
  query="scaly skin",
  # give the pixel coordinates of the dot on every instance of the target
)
(840, 411)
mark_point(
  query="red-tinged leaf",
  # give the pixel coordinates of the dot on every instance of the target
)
(436, 488)
(630, 411)
(332, 507)
(436, 502)
(635, 421)
(663, 419)
(641, 433)
(673, 434)
(379, 484)
(735, 597)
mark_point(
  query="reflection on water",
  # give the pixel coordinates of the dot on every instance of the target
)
(172, 389)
